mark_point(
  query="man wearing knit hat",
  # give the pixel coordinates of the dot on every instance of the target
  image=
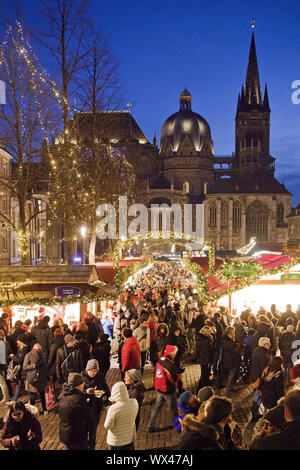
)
(73, 414)
(165, 382)
(98, 393)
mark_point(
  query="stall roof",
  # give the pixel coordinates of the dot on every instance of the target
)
(84, 274)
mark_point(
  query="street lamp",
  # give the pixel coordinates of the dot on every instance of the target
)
(83, 232)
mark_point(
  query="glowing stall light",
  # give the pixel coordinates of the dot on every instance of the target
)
(138, 273)
(257, 296)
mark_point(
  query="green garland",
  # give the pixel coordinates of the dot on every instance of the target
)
(225, 270)
(49, 301)
(123, 274)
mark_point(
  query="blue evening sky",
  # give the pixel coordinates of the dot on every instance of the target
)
(165, 45)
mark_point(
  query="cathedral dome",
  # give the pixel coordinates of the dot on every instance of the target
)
(185, 125)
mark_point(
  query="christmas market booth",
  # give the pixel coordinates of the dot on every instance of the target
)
(61, 291)
(238, 283)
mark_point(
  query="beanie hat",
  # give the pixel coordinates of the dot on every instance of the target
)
(58, 332)
(170, 349)
(276, 416)
(23, 338)
(135, 375)
(69, 338)
(184, 398)
(92, 364)
(75, 379)
(205, 393)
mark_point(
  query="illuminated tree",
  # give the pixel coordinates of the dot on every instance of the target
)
(23, 121)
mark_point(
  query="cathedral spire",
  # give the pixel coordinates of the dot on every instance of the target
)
(252, 86)
(266, 105)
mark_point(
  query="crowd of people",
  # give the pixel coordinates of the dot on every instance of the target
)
(159, 320)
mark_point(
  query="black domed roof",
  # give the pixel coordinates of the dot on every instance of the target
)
(185, 123)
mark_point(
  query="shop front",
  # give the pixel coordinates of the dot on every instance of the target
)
(66, 292)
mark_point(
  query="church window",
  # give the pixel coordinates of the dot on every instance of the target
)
(224, 214)
(236, 215)
(257, 221)
(280, 213)
(213, 216)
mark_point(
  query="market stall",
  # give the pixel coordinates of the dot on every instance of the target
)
(58, 291)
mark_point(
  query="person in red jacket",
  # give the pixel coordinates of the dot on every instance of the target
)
(130, 354)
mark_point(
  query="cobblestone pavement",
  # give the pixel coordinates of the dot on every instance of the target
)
(164, 438)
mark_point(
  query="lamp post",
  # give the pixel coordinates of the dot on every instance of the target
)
(83, 232)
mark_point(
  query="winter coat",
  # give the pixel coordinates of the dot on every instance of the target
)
(92, 334)
(19, 359)
(198, 436)
(95, 404)
(120, 418)
(12, 339)
(137, 391)
(273, 390)
(74, 362)
(230, 353)
(84, 347)
(74, 417)
(224, 434)
(143, 336)
(240, 334)
(205, 350)
(285, 345)
(35, 361)
(198, 322)
(287, 439)
(130, 354)
(171, 371)
(12, 428)
(259, 360)
(101, 352)
(159, 342)
(284, 316)
(42, 335)
(57, 343)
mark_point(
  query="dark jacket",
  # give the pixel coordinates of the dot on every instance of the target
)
(179, 342)
(259, 360)
(12, 428)
(287, 439)
(137, 391)
(74, 417)
(205, 350)
(19, 359)
(42, 334)
(198, 436)
(12, 339)
(159, 342)
(230, 353)
(272, 391)
(57, 343)
(95, 404)
(285, 345)
(198, 322)
(240, 334)
(101, 352)
(92, 334)
(224, 438)
(84, 347)
(73, 363)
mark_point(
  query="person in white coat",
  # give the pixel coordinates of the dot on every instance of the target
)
(120, 419)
